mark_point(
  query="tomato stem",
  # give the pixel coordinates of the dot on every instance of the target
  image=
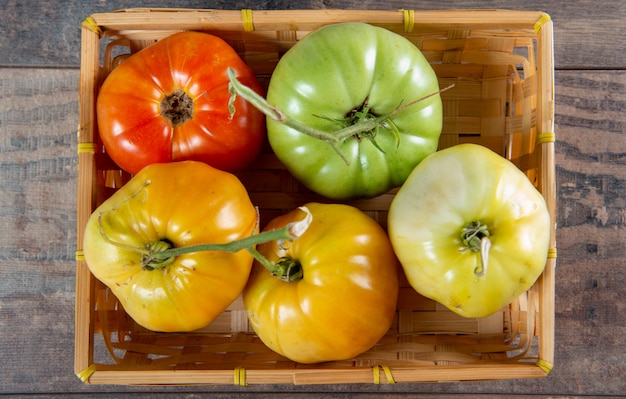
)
(485, 246)
(276, 114)
(290, 232)
(358, 116)
(288, 270)
(159, 254)
(475, 237)
(151, 263)
(332, 138)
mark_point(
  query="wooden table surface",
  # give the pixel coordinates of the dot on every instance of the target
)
(39, 58)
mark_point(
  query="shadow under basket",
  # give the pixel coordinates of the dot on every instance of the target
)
(501, 63)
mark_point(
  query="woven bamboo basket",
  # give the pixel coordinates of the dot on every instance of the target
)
(501, 63)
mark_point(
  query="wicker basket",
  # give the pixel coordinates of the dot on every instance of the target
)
(501, 63)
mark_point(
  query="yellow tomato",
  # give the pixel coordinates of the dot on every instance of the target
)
(171, 206)
(470, 230)
(344, 288)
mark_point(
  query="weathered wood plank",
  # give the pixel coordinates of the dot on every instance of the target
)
(38, 164)
(35, 33)
(38, 118)
(591, 239)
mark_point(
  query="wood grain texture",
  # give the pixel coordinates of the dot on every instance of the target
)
(591, 235)
(38, 118)
(38, 121)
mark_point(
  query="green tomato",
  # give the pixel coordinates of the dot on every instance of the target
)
(337, 76)
(470, 230)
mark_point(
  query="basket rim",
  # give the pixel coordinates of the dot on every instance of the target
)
(250, 20)
(99, 25)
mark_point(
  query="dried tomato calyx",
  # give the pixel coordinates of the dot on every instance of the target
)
(177, 107)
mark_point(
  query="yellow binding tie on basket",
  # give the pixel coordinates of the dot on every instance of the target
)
(548, 137)
(551, 253)
(80, 255)
(246, 15)
(545, 365)
(409, 20)
(545, 18)
(387, 372)
(91, 24)
(86, 148)
(240, 377)
(86, 373)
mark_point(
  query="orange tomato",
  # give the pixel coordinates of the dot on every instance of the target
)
(344, 299)
(170, 102)
(164, 206)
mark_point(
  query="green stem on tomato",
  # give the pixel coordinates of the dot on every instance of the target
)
(232, 247)
(288, 270)
(159, 254)
(485, 246)
(333, 138)
(475, 237)
(290, 232)
(236, 87)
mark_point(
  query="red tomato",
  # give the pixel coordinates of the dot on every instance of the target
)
(169, 102)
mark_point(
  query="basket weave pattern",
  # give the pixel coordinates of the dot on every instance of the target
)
(501, 65)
